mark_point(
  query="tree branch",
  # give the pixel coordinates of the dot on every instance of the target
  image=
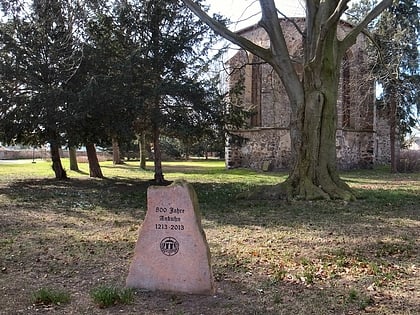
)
(339, 10)
(351, 37)
(223, 31)
(277, 55)
(330, 23)
(283, 65)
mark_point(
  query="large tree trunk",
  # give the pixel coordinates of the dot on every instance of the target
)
(141, 138)
(94, 167)
(59, 171)
(315, 174)
(73, 159)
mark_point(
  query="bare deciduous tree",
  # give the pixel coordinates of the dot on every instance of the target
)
(313, 97)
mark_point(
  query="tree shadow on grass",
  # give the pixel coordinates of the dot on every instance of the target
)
(109, 194)
(170, 168)
(378, 214)
(71, 241)
(218, 202)
(79, 264)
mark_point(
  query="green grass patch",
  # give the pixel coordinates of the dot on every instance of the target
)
(106, 296)
(360, 299)
(49, 296)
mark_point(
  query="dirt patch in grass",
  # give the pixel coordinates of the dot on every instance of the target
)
(267, 257)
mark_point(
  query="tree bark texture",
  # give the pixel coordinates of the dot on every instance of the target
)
(141, 138)
(94, 167)
(393, 131)
(315, 174)
(159, 178)
(73, 159)
(116, 154)
(59, 171)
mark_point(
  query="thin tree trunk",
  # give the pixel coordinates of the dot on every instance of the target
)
(73, 159)
(392, 132)
(94, 167)
(159, 179)
(59, 171)
(187, 151)
(116, 154)
(142, 150)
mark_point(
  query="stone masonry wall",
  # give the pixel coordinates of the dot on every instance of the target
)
(362, 138)
(265, 145)
(354, 149)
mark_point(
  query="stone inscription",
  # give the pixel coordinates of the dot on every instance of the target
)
(172, 235)
(169, 246)
(169, 215)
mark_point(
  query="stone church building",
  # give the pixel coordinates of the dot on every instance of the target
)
(362, 131)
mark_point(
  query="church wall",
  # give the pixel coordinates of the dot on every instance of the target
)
(360, 139)
(354, 149)
(263, 145)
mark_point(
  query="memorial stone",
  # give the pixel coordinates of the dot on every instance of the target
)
(171, 252)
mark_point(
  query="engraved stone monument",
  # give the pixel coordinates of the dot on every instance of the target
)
(172, 253)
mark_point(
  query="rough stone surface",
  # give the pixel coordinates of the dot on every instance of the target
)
(172, 253)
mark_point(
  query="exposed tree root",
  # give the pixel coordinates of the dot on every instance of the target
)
(305, 190)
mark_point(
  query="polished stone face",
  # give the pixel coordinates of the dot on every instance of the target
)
(172, 253)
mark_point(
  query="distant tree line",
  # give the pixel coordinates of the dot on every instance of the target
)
(108, 73)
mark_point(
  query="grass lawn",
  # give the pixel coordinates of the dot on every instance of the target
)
(63, 242)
